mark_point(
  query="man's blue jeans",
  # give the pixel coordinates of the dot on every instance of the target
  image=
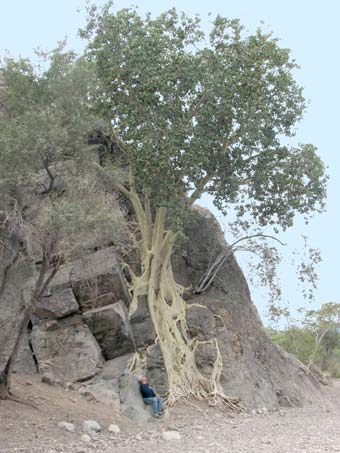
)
(156, 402)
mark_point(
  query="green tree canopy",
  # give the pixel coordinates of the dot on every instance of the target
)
(206, 112)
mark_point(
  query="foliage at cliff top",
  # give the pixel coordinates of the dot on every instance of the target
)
(48, 186)
(45, 112)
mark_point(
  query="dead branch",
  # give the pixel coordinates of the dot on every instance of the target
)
(213, 269)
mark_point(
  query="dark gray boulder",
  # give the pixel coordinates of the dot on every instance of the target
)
(111, 327)
(97, 280)
(57, 303)
(141, 324)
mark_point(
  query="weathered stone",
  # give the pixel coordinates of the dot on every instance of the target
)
(67, 426)
(131, 400)
(111, 327)
(85, 438)
(97, 280)
(57, 304)
(114, 429)
(171, 435)
(113, 369)
(254, 368)
(142, 326)
(91, 425)
(205, 356)
(201, 322)
(101, 391)
(69, 353)
(104, 387)
(51, 325)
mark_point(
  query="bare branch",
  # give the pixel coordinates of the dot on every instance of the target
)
(216, 266)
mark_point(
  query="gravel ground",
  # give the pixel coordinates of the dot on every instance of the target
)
(201, 429)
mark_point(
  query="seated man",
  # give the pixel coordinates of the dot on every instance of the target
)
(150, 397)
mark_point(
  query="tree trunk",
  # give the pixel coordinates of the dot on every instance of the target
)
(6, 372)
(4, 385)
(318, 339)
(40, 287)
(5, 375)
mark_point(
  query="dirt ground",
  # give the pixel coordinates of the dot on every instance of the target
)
(202, 429)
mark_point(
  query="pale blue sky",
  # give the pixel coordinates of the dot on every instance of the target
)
(308, 27)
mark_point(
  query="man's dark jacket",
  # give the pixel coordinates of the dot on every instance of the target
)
(146, 391)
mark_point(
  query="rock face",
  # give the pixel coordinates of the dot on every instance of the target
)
(104, 387)
(141, 324)
(111, 327)
(254, 368)
(57, 303)
(66, 351)
(96, 280)
(82, 321)
(81, 318)
(91, 282)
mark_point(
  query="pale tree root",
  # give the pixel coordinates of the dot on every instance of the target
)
(214, 399)
(200, 391)
(200, 387)
(167, 309)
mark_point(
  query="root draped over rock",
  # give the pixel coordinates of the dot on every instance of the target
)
(167, 309)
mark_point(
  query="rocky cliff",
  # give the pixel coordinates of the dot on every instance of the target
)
(82, 336)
